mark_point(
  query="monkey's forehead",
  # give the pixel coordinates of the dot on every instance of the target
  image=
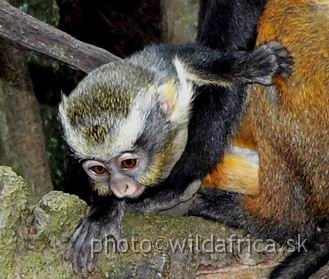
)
(111, 89)
(100, 133)
(100, 102)
(106, 136)
(108, 108)
(100, 115)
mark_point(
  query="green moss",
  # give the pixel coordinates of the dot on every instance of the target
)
(57, 215)
(44, 264)
(13, 211)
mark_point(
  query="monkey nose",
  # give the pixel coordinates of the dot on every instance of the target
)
(124, 190)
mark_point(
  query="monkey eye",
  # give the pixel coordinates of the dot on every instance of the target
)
(128, 164)
(95, 168)
(98, 170)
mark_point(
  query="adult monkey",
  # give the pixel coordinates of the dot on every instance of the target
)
(290, 129)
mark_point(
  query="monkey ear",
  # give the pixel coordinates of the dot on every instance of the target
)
(176, 96)
(175, 99)
(168, 96)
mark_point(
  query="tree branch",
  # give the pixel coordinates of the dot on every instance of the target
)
(35, 35)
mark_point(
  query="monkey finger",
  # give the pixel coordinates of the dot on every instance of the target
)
(286, 60)
(282, 52)
(68, 251)
(87, 259)
(77, 250)
(285, 70)
(115, 233)
(285, 56)
(274, 45)
(285, 66)
(285, 73)
(75, 265)
(70, 247)
(91, 264)
(83, 259)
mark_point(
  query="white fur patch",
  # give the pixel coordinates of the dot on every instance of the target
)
(182, 72)
(249, 154)
(185, 93)
(126, 135)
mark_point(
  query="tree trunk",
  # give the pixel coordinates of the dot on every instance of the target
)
(179, 20)
(22, 144)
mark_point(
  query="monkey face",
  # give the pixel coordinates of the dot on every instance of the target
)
(121, 115)
(148, 162)
(118, 175)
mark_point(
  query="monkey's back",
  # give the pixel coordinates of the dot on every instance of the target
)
(291, 122)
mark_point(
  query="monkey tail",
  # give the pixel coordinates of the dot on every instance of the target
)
(301, 265)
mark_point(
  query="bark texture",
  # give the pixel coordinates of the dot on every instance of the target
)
(32, 34)
(179, 20)
(22, 143)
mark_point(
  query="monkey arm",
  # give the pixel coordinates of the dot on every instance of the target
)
(165, 199)
(235, 173)
(202, 65)
(246, 212)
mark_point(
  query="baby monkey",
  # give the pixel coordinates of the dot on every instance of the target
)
(147, 130)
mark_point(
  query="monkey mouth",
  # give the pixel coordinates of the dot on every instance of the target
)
(137, 193)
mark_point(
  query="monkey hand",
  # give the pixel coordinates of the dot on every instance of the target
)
(267, 61)
(87, 240)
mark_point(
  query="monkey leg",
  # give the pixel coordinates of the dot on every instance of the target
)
(278, 211)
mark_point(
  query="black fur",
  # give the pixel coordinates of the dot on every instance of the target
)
(226, 207)
(229, 24)
(300, 265)
(215, 113)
